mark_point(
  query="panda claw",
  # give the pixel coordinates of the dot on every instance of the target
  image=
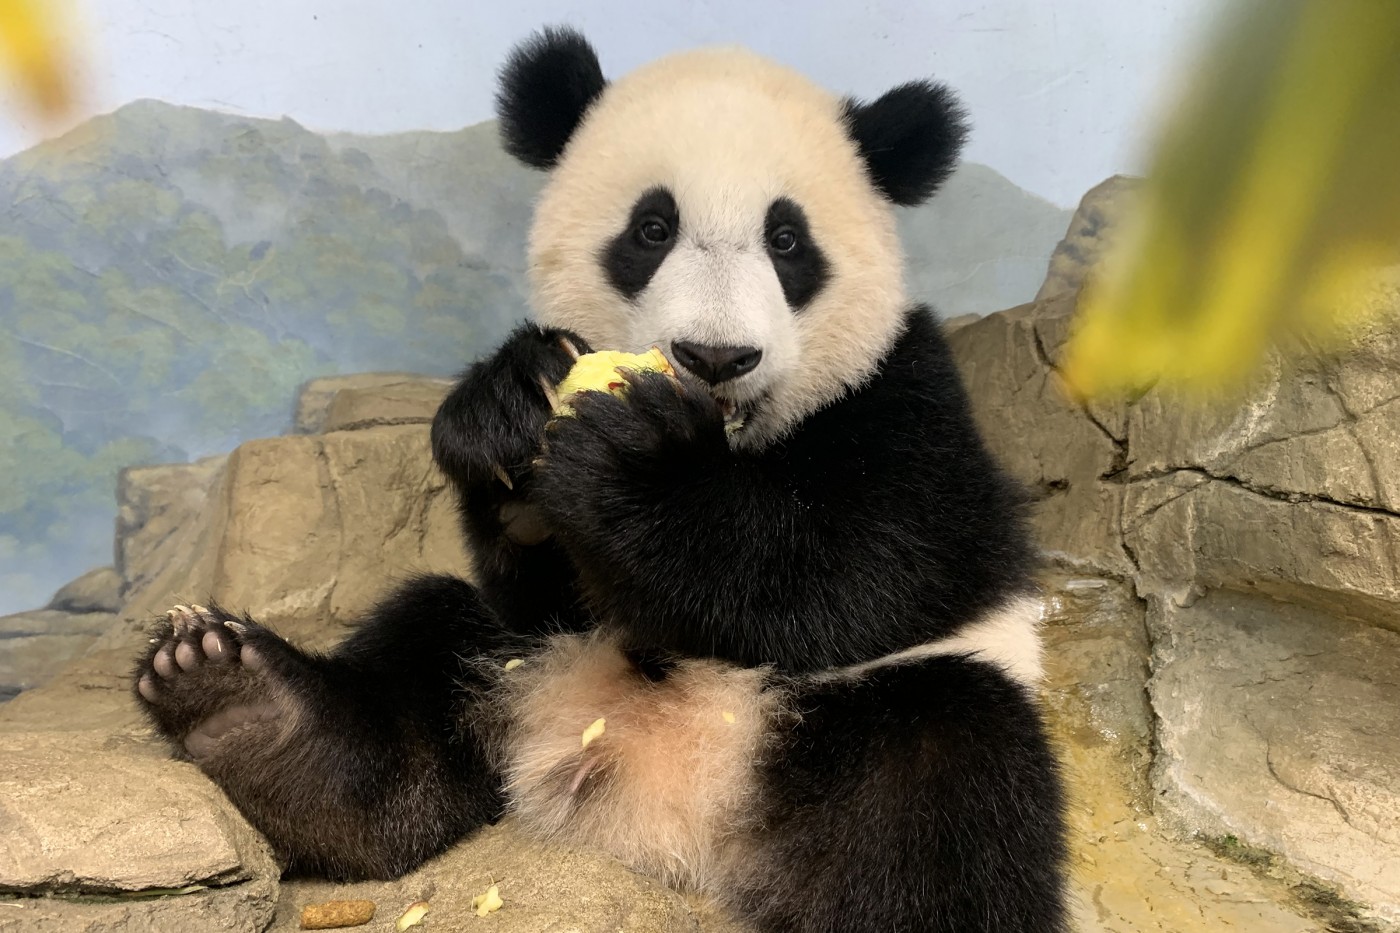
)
(548, 388)
(503, 476)
(585, 769)
(238, 628)
(568, 347)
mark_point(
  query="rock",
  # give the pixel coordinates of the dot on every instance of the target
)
(86, 814)
(92, 694)
(1276, 725)
(1321, 422)
(408, 402)
(97, 590)
(243, 908)
(1091, 234)
(373, 398)
(1067, 456)
(951, 324)
(1284, 501)
(156, 508)
(1191, 532)
(54, 622)
(544, 888)
(307, 532)
(35, 646)
(1127, 876)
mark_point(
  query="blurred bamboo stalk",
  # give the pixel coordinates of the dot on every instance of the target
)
(35, 49)
(1273, 197)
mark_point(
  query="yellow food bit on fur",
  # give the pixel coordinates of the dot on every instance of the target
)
(513, 663)
(488, 903)
(336, 915)
(598, 372)
(412, 917)
(593, 731)
(728, 717)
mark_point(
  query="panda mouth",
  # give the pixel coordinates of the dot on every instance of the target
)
(736, 414)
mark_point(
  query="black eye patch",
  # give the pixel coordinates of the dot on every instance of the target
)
(801, 267)
(634, 255)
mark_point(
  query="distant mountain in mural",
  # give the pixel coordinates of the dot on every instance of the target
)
(169, 275)
(981, 245)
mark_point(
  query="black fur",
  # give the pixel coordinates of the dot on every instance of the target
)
(631, 259)
(919, 798)
(546, 87)
(881, 523)
(495, 418)
(365, 770)
(910, 138)
(802, 270)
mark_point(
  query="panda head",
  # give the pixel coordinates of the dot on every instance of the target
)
(726, 210)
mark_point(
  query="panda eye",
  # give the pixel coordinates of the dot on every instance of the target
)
(783, 240)
(653, 231)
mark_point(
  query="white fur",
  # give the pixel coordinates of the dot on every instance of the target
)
(721, 295)
(727, 133)
(669, 785)
(1008, 637)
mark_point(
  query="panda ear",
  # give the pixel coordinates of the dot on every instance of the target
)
(910, 139)
(546, 86)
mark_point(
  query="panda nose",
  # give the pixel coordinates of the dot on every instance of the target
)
(716, 364)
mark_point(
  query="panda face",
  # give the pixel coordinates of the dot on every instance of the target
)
(723, 209)
(718, 291)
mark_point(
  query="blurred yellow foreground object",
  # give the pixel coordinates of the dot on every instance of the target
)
(1274, 195)
(33, 48)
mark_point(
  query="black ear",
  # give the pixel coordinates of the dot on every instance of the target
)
(910, 139)
(547, 84)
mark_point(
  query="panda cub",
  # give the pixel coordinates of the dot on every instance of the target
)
(789, 585)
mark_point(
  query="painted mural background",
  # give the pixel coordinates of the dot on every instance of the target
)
(175, 263)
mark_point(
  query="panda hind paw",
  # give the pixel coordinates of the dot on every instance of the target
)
(207, 674)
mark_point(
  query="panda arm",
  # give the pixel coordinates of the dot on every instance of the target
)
(839, 546)
(484, 436)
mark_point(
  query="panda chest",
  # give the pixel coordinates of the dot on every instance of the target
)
(658, 772)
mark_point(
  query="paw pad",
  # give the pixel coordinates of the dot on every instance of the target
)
(199, 679)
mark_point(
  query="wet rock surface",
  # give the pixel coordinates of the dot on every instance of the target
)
(1263, 536)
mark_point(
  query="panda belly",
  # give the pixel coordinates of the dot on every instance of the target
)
(750, 787)
(669, 785)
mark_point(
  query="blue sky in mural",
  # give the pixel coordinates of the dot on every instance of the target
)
(1061, 92)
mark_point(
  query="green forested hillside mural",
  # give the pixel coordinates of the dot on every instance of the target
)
(170, 275)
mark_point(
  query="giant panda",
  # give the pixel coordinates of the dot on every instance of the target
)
(788, 584)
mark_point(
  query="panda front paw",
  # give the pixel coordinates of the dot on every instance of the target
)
(488, 429)
(614, 450)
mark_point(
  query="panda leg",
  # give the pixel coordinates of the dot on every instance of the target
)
(918, 796)
(352, 764)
